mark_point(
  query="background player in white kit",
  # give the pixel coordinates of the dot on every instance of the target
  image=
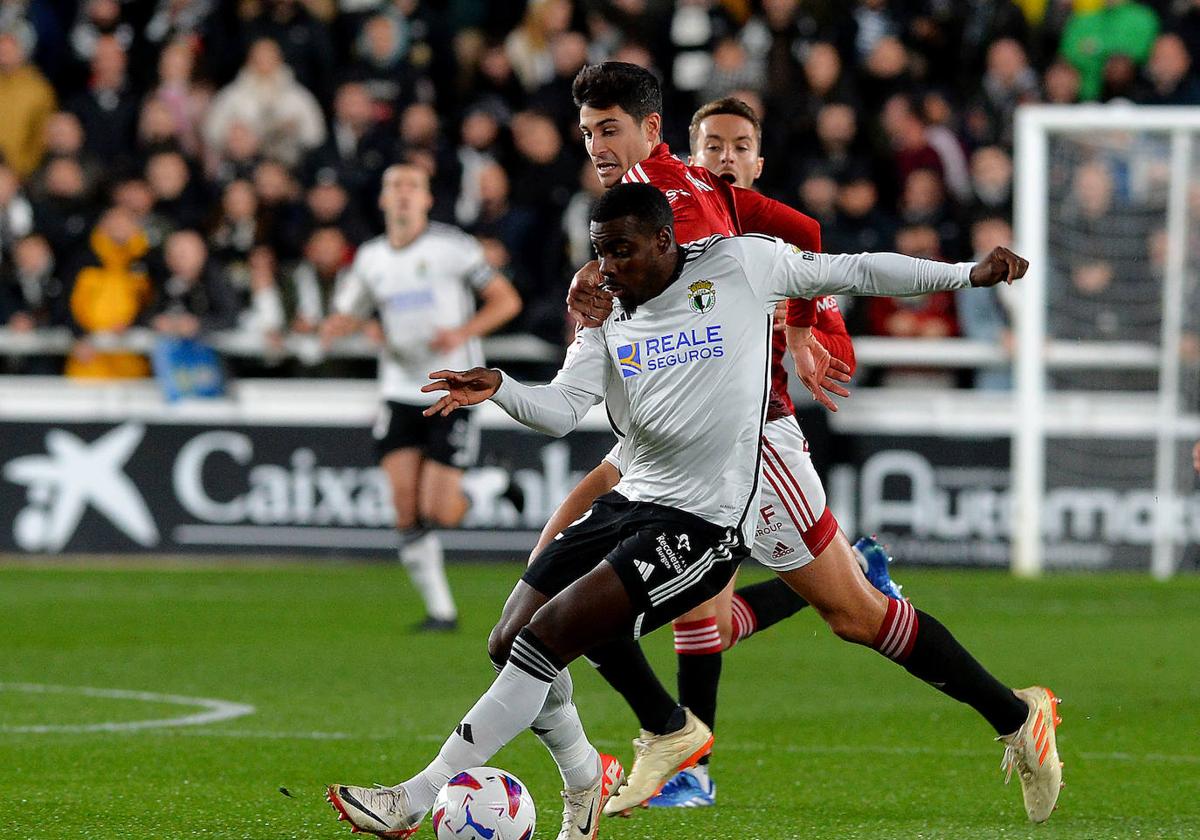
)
(686, 384)
(422, 278)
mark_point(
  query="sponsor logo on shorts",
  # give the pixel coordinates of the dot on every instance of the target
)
(644, 569)
(782, 550)
(767, 513)
(668, 555)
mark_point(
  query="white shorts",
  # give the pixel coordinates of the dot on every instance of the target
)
(793, 524)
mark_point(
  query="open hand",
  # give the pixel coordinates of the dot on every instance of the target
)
(589, 304)
(462, 387)
(820, 372)
(1001, 265)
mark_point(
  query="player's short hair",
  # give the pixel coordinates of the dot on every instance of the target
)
(633, 89)
(726, 105)
(644, 202)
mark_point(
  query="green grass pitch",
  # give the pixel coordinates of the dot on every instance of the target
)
(816, 739)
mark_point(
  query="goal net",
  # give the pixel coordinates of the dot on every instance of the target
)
(1108, 351)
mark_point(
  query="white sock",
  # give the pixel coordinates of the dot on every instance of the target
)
(507, 708)
(558, 727)
(422, 558)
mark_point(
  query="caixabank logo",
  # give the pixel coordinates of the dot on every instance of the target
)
(670, 350)
(73, 476)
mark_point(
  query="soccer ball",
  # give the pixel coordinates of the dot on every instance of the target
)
(484, 803)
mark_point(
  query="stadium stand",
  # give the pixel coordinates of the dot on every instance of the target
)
(233, 149)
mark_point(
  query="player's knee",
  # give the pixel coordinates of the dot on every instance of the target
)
(406, 513)
(501, 639)
(725, 628)
(438, 517)
(850, 626)
(546, 620)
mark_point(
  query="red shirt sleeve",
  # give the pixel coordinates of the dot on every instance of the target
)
(758, 214)
(830, 331)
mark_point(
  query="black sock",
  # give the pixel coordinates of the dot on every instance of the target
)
(941, 661)
(699, 677)
(624, 667)
(769, 602)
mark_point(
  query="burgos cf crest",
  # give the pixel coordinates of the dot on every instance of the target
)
(702, 296)
(629, 357)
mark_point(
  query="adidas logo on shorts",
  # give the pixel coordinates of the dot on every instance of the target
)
(782, 550)
(644, 569)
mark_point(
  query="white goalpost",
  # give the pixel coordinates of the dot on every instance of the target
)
(1108, 336)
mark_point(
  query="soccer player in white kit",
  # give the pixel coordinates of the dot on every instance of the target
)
(620, 119)
(686, 383)
(422, 278)
(792, 518)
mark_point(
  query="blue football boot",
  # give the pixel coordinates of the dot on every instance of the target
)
(874, 560)
(685, 790)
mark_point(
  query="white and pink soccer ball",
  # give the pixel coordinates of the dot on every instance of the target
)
(484, 803)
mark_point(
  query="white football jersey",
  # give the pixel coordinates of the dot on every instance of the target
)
(428, 285)
(687, 374)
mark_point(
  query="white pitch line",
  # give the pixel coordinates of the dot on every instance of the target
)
(222, 710)
(275, 736)
(215, 711)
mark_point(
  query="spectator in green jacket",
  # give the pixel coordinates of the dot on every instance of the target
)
(1123, 27)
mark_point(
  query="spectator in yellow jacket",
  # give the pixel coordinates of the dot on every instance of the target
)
(28, 101)
(109, 296)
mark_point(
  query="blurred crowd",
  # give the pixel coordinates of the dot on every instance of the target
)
(192, 166)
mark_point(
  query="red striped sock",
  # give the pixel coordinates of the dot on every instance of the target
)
(898, 631)
(744, 620)
(697, 637)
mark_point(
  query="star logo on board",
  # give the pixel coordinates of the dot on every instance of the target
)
(71, 477)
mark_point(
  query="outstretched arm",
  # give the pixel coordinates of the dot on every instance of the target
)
(890, 275)
(758, 214)
(552, 409)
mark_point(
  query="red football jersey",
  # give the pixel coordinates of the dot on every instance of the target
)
(705, 205)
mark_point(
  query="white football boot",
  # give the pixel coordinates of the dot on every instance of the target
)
(582, 806)
(657, 758)
(1033, 752)
(382, 811)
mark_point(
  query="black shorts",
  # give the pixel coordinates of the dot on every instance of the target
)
(453, 440)
(670, 561)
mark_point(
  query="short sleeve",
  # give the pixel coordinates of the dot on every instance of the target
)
(473, 267)
(614, 456)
